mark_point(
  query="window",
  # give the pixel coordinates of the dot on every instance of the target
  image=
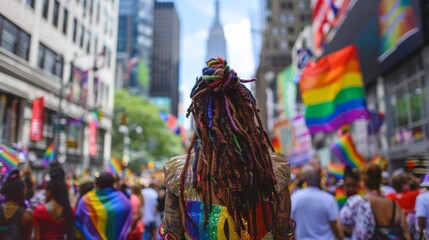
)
(13, 39)
(275, 31)
(56, 13)
(98, 12)
(91, 8)
(82, 35)
(286, 5)
(84, 8)
(95, 44)
(30, 3)
(50, 61)
(65, 21)
(291, 18)
(88, 42)
(283, 45)
(45, 9)
(74, 30)
(291, 30)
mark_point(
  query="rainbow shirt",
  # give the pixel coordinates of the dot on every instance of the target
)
(219, 220)
(104, 214)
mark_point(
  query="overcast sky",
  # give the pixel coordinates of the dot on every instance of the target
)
(196, 18)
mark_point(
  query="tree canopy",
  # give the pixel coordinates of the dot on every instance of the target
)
(156, 142)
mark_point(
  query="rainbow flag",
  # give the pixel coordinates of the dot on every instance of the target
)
(115, 166)
(380, 161)
(333, 92)
(48, 157)
(336, 170)
(340, 196)
(345, 150)
(8, 158)
(103, 214)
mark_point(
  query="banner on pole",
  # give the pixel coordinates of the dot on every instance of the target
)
(37, 120)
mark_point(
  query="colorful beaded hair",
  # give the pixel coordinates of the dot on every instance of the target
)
(231, 149)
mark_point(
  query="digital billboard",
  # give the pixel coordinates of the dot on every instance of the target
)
(384, 31)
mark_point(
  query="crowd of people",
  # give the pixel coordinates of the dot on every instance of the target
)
(99, 207)
(363, 205)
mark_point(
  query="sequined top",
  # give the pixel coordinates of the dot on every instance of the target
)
(219, 216)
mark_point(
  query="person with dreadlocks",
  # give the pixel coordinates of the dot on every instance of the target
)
(230, 184)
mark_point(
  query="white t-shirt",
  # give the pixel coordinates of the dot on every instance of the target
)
(150, 196)
(422, 207)
(313, 210)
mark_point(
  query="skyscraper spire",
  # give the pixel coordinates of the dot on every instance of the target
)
(217, 21)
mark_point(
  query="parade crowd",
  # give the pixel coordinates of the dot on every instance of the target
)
(99, 207)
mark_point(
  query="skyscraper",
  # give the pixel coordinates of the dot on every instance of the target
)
(216, 44)
(283, 21)
(135, 32)
(164, 86)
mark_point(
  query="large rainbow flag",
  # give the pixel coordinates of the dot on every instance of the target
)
(346, 151)
(333, 92)
(8, 158)
(48, 157)
(115, 166)
(336, 169)
(103, 214)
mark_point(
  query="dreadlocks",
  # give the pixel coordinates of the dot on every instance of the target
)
(230, 146)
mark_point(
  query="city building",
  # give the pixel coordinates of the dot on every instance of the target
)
(283, 20)
(134, 48)
(164, 86)
(40, 41)
(393, 54)
(216, 43)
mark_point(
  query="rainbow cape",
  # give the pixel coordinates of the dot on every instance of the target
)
(333, 92)
(115, 166)
(103, 214)
(8, 158)
(336, 169)
(340, 196)
(345, 150)
(48, 157)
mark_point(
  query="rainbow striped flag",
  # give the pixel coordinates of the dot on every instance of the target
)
(48, 157)
(115, 166)
(380, 161)
(336, 169)
(103, 214)
(8, 158)
(333, 92)
(345, 150)
(340, 196)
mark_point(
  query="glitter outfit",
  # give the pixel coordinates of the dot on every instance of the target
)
(220, 224)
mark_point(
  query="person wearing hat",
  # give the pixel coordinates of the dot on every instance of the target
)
(104, 213)
(422, 208)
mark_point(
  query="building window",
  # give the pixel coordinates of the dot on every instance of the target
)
(13, 39)
(91, 8)
(283, 45)
(30, 3)
(74, 30)
(291, 30)
(275, 31)
(95, 44)
(98, 12)
(407, 101)
(88, 42)
(286, 5)
(56, 13)
(82, 35)
(84, 7)
(45, 9)
(50, 61)
(65, 21)
(291, 18)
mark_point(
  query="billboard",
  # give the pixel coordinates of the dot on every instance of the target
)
(384, 31)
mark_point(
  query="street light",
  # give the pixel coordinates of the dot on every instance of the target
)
(126, 151)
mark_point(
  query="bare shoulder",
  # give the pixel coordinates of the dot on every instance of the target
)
(27, 218)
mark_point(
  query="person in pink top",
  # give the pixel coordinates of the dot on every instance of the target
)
(137, 203)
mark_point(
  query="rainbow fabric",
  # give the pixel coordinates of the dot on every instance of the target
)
(48, 157)
(8, 158)
(332, 91)
(380, 161)
(336, 170)
(345, 150)
(104, 214)
(115, 166)
(397, 22)
(340, 196)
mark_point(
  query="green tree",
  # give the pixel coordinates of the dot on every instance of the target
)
(156, 142)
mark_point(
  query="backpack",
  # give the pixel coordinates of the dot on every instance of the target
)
(393, 231)
(9, 229)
